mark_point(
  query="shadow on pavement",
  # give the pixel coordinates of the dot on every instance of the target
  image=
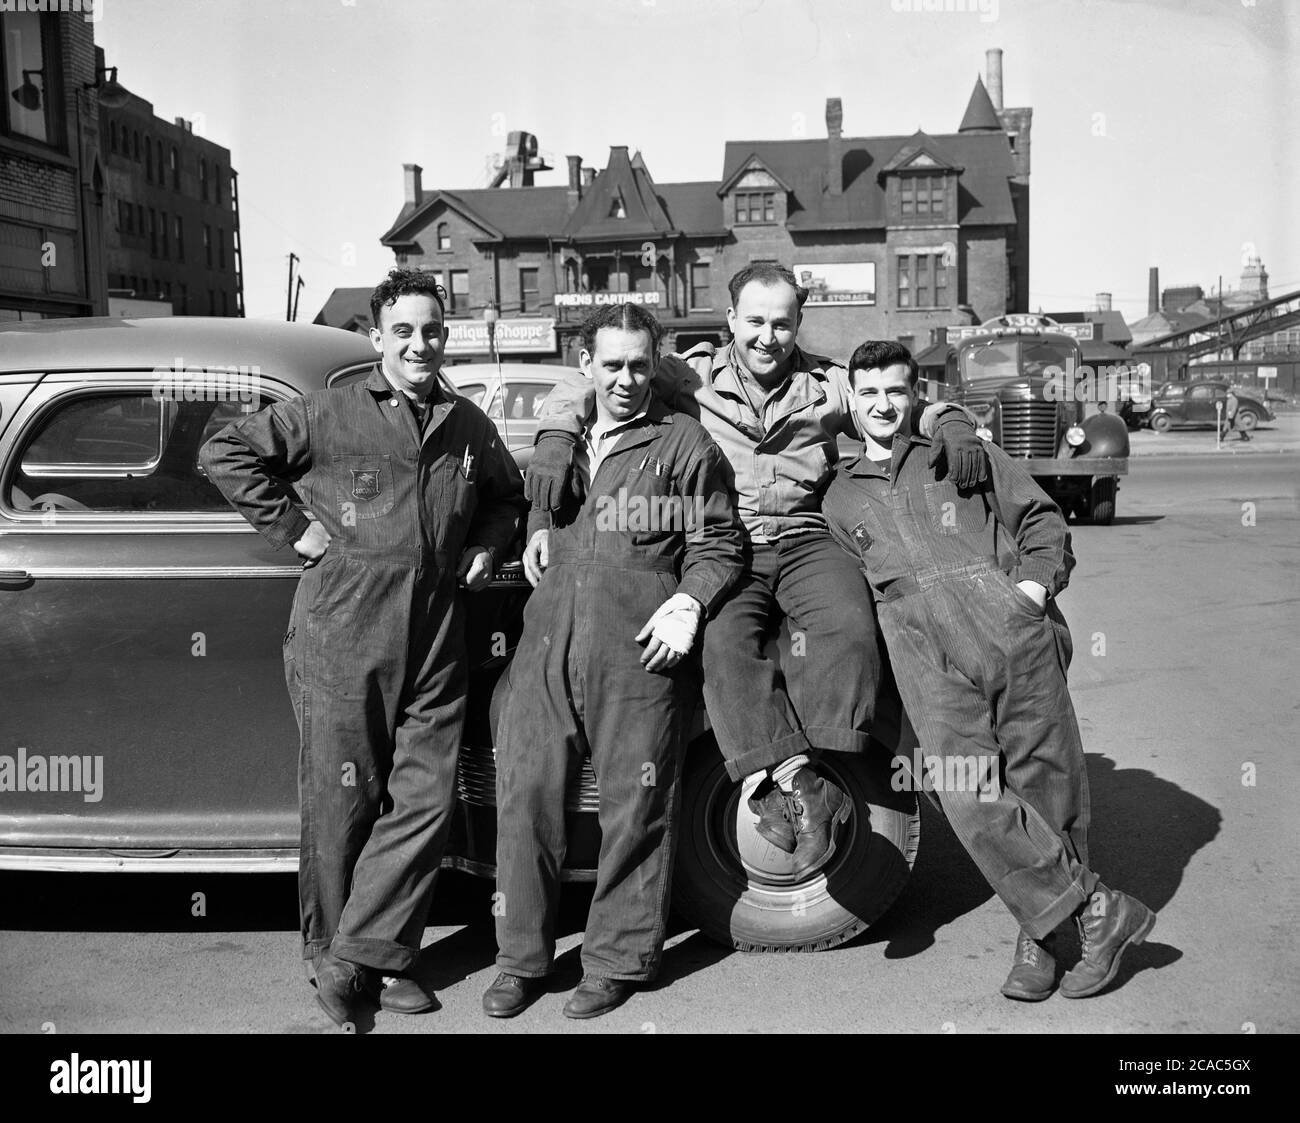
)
(1144, 833)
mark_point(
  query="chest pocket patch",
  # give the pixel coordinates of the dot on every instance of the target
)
(364, 486)
(951, 512)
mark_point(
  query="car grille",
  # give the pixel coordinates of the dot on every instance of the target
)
(1029, 429)
(476, 781)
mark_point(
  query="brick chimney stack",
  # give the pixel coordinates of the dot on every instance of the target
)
(993, 69)
(575, 182)
(413, 176)
(834, 146)
(1153, 290)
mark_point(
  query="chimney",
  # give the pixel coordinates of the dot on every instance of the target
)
(575, 181)
(834, 146)
(993, 66)
(412, 174)
(1103, 302)
(1153, 291)
(588, 176)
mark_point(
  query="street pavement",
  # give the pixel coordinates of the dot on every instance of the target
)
(1184, 616)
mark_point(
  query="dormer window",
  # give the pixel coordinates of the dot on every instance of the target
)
(755, 206)
(922, 195)
(617, 209)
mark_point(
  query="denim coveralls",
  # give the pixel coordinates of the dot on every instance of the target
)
(981, 668)
(576, 684)
(374, 652)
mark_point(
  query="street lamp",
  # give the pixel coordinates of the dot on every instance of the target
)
(490, 317)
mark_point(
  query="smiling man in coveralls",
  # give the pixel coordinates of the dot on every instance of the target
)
(624, 578)
(411, 493)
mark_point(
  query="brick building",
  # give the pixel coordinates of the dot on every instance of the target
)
(172, 213)
(51, 171)
(893, 236)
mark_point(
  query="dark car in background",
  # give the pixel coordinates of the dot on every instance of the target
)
(1191, 405)
(144, 723)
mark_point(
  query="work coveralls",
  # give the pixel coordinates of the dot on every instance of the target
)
(781, 459)
(658, 519)
(374, 651)
(981, 668)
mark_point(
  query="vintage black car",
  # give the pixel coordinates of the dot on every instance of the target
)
(1191, 405)
(145, 724)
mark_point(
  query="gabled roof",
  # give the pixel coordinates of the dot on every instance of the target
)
(501, 213)
(983, 198)
(644, 215)
(980, 115)
(921, 150)
(754, 161)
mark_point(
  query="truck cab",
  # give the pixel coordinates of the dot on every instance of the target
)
(1023, 378)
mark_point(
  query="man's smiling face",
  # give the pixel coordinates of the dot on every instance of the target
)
(883, 399)
(411, 337)
(764, 323)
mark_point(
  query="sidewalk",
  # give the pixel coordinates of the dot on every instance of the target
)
(1282, 435)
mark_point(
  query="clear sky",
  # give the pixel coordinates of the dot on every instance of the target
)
(1166, 132)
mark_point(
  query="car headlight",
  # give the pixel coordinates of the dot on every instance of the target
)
(984, 433)
(1074, 436)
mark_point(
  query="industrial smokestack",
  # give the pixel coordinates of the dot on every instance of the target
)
(993, 65)
(1153, 291)
(1103, 302)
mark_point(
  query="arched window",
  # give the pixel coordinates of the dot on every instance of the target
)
(444, 236)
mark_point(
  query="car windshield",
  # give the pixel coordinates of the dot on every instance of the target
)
(1003, 358)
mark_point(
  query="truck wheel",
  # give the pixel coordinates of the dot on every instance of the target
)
(1160, 423)
(1247, 419)
(1104, 490)
(736, 888)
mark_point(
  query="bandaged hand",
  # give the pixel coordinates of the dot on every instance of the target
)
(670, 632)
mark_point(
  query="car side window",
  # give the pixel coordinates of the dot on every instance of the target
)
(1202, 392)
(123, 452)
(474, 391)
(526, 398)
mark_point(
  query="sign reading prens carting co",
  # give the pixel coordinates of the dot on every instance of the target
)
(590, 299)
(514, 337)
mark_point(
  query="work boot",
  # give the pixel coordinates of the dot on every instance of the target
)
(819, 807)
(597, 995)
(1109, 922)
(402, 994)
(1033, 971)
(511, 994)
(341, 988)
(776, 816)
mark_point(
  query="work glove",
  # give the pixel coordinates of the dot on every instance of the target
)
(670, 632)
(957, 452)
(551, 469)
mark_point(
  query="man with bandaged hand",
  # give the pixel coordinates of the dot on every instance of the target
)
(625, 572)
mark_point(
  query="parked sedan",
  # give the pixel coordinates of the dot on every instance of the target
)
(1191, 405)
(146, 725)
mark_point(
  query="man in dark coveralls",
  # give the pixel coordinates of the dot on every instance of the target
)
(624, 578)
(410, 492)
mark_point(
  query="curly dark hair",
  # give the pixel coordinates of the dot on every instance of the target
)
(876, 354)
(628, 317)
(403, 282)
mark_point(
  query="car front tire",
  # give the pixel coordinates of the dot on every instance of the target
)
(730, 884)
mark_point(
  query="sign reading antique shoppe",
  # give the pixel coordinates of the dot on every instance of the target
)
(586, 299)
(514, 337)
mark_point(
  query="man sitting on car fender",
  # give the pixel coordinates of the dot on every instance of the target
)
(775, 412)
(412, 492)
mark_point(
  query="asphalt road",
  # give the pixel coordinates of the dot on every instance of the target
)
(1189, 718)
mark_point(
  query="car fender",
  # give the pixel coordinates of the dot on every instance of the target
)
(1105, 434)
